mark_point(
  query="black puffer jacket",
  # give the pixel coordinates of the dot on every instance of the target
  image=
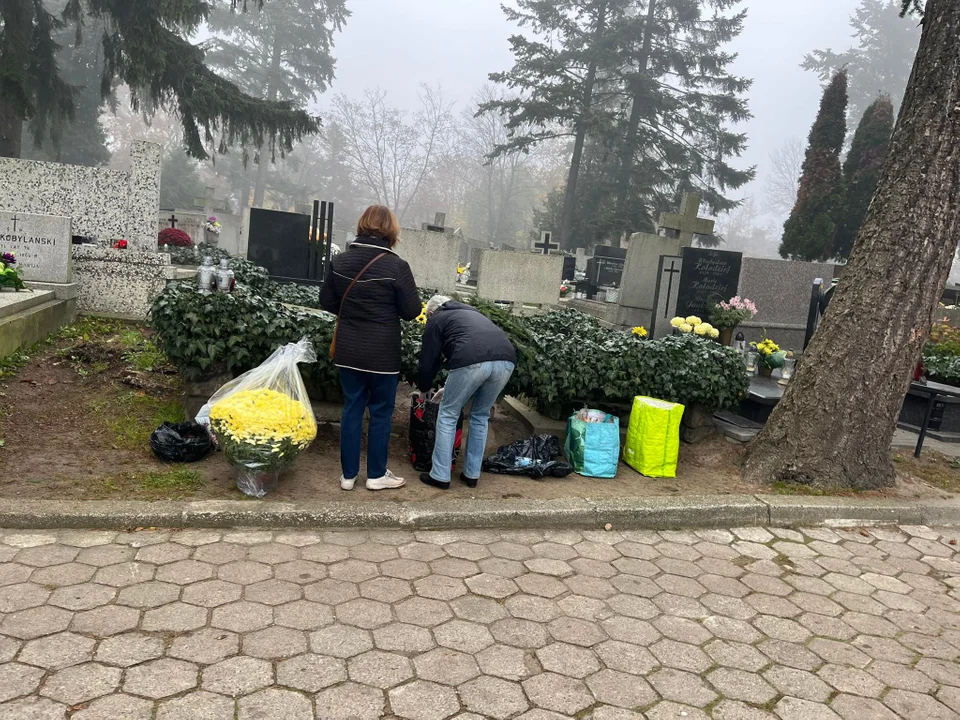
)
(369, 334)
(463, 336)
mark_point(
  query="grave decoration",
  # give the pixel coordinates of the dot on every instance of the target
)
(640, 332)
(120, 245)
(726, 315)
(263, 419)
(771, 357)
(213, 226)
(174, 237)
(10, 273)
(695, 326)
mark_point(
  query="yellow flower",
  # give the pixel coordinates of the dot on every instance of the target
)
(714, 333)
(701, 329)
(422, 317)
(677, 322)
(686, 327)
(264, 417)
(640, 331)
(694, 320)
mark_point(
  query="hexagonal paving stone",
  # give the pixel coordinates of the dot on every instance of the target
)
(237, 676)
(125, 574)
(58, 651)
(492, 586)
(211, 593)
(424, 701)
(175, 617)
(363, 613)
(163, 553)
(272, 553)
(47, 555)
(340, 641)
(273, 592)
(445, 666)
(274, 643)
(17, 680)
(355, 571)
(311, 673)
(790, 708)
(104, 555)
(274, 703)
(302, 572)
(205, 646)
(380, 669)
(161, 678)
(303, 615)
(197, 706)
(493, 697)
(385, 589)
(129, 649)
(399, 637)
(570, 660)
(148, 595)
(244, 572)
(219, 553)
(242, 616)
(331, 591)
(117, 707)
(81, 683)
(626, 657)
(532, 607)
(465, 636)
(11, 573)
(81, 597)
(36, 622)
(22, 596)
(619, 689)
(405, 569)
(350, 702)
(423, 612)
(558, 693)
(741, 685)
(520, 633)
(374, 552)
(681, 687)
(576, 632)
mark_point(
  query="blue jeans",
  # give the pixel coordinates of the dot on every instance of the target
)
(483, 382)
(362, 390)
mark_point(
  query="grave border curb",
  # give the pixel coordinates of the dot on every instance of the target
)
(658, 513)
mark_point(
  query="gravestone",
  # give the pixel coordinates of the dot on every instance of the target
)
(605, 268)
(546, 243)
(569, 267)
(685, 225)
(707, 276)
(525, 278)
(41, 244)
(668, 290)
(439, 224)
(279, 241)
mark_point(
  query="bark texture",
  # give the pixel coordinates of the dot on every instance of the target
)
(836, 421)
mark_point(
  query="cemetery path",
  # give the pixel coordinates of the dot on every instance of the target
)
(748, 624)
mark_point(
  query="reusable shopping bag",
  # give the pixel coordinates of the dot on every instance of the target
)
(653, 438)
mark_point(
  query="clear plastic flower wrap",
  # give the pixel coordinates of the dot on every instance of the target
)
(263, 419)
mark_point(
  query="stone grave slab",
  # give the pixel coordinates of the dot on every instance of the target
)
(708, 276)
(279, 241)
(668, 290)
(41, 243)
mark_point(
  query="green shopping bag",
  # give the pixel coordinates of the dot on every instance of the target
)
(593, 448)
(653, 438)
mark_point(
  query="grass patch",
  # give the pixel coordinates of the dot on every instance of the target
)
(11, 365)
(130, 418)
(177, 482)
(782, 488)
(932, 468)
(143, 355)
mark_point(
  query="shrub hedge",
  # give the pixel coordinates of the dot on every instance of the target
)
(565, 358)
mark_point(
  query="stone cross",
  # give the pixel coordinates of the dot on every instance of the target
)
(172, 220)
(686, 223)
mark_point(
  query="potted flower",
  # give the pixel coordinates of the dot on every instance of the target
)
(694, 325)
(9, 273)
(770, 355)
(175, 237)
(727, 315)
(639, 332)
(564, 290)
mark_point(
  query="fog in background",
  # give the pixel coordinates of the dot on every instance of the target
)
(423, 65)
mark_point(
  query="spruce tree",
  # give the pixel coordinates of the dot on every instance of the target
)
(283, 52)
(861, 171)
(145, 45)
(810, 232)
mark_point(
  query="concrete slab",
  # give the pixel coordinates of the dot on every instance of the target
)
(12, 303)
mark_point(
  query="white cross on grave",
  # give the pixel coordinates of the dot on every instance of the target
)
(686, 224)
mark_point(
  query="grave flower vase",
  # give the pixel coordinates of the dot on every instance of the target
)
(726, 336)
(764, 370)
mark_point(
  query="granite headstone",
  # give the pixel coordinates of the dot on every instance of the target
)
(665, 301)
(707, 277)
(279, 241)
(41, 244)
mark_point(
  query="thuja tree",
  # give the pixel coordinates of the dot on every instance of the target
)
(810, 231)
(861, 171)
(145, 46)
(836, 421)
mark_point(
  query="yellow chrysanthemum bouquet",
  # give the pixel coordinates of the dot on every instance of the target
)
(695, 325)
(771, 356)
(263, 420)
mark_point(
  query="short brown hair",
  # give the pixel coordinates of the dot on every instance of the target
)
(379, 221)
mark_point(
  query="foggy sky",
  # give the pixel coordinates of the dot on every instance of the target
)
(398, 44)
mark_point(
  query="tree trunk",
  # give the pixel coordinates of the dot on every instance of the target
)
(836, 421)
(260, 187)
(570, 198)
(11, 131)
(638, 87)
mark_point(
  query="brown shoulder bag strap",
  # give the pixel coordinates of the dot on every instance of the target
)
(333, 341)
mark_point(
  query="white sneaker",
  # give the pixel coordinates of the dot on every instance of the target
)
(346, 484)
(387, 482)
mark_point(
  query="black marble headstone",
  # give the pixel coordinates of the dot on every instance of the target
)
(605, 271)
(569, 267)
(279, 241)
(708, 276)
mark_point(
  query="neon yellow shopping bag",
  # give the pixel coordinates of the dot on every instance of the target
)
(653, 438)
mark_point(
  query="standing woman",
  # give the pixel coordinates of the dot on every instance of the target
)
(371, 289)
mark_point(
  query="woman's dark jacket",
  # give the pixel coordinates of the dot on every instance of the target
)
(369, 334)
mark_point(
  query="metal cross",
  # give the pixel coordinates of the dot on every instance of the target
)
(546, 244)
(173, 220)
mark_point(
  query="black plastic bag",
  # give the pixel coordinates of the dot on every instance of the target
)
(537, 456)
(181, 442)
(423, 433)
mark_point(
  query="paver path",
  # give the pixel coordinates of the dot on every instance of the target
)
(251, 625)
